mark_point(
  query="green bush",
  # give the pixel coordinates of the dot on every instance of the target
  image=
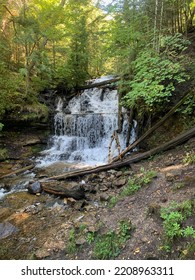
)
(173, 217)
(156, 74)
(189, 158)
(154, 81)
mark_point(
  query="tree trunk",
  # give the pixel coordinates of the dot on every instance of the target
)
(130, 121)
(99, 84)
(64, 189)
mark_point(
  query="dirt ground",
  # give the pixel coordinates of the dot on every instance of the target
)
(45, 226)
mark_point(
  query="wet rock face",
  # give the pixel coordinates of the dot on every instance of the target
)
(7, 229)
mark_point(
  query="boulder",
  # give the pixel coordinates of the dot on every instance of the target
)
(7, 229)
(34, 188)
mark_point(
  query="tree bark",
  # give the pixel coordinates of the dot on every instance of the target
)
(130, 125)
(64, 189)
(107, 82)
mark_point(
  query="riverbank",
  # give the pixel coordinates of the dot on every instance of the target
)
(121, 207)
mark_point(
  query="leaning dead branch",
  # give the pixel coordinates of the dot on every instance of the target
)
(152, 129)
(18, 171)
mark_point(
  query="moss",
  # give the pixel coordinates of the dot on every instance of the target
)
(3, 154)
(31, 112)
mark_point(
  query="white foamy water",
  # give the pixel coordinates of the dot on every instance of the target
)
(17, 184)
(84, 133)
(2, 193)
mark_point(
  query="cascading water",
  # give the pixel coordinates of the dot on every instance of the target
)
(83, 129)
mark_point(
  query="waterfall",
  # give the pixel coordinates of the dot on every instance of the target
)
(83, 129)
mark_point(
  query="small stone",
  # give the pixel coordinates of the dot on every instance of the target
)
(80, 241)
(128, 173)
(109, 185)
(120, 183)
(42, 253)
(173, 175)
(103, 188)
(34, 188)
(71, 200)
(104, 197)
(102, 175)
(112, 171)
(119, 173)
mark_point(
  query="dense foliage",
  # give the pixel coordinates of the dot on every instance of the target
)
(46, 42)
(156, 74)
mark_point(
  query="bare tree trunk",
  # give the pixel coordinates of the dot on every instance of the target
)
(120, 116)
(130, 121)
(161, 21)
(155, 25)
(99, 84)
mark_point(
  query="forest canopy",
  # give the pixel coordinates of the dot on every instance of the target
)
(47, 42)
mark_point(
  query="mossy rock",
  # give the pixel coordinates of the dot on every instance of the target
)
(30, 112)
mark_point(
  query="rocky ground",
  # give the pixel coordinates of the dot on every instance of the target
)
(109, 221)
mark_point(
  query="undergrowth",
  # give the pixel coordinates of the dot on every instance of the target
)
(134, 184)
(174, 217)
(105, 246)
(110, 244)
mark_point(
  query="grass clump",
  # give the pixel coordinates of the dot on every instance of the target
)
(71, 248)
(113, 201)
(134, 184)
(189, 158)
(109, 245)
(173, 218)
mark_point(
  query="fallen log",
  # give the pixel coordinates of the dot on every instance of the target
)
(64, 189)
(107, 82)
(182, 138)
(18, 171)
(152, 129)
